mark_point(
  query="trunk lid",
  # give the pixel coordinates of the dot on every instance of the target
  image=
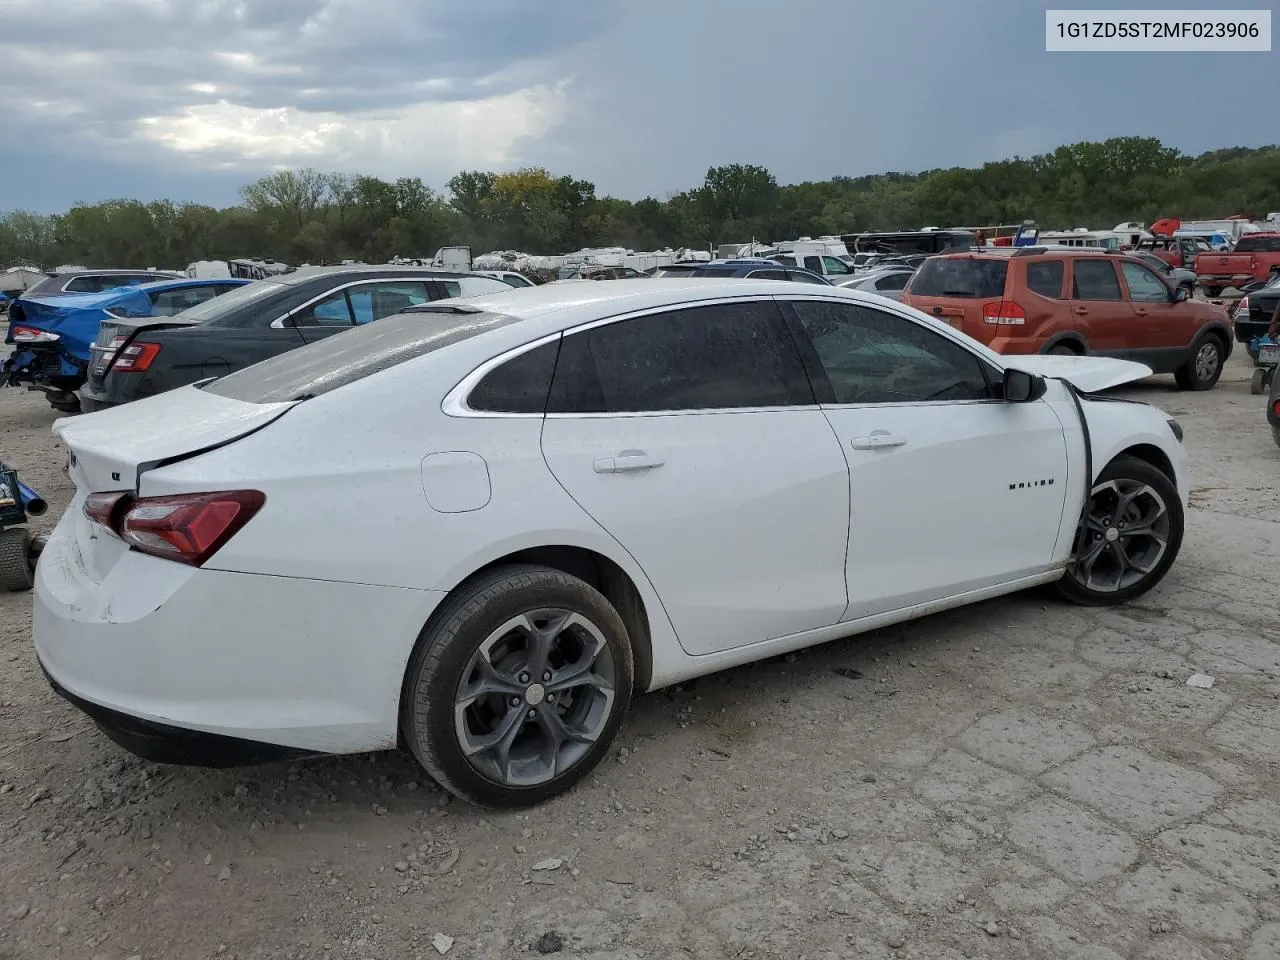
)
(1224, 264)
(115, 327)
(1087, 374)
(110, 450)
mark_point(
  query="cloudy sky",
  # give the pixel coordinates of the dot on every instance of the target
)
(189, 99)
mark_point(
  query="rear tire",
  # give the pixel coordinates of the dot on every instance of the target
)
(1213, 292)
(1203, 366)
(1128, 537)
(16, 573)
(1257, 383)
(479, 708)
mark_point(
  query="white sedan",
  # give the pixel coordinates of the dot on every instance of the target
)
(478, 528)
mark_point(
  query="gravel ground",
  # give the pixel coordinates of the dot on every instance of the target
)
(1019, 779)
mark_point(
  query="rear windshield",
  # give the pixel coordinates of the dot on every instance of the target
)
(353, 355)
(959, 277)
(233, 300)
(1258, 245)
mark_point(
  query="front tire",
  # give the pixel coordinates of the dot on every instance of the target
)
(1258, 382)
(1203, 366)
(1128, 537)
(517, 686)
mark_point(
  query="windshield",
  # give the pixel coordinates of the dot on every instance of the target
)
(231, 301)
(352, 355)
(959, 277)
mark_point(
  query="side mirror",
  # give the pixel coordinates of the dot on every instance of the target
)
(1181, 294)
(1023, 387)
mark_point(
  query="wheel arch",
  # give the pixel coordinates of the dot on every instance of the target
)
(1150, 454)
(603, 573)
(1067, 338)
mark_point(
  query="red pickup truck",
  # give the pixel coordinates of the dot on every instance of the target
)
(1256, 256)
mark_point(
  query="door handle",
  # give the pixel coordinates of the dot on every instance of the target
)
(1082, 310)
(1140, 311)
(626, 462)
(877, 440)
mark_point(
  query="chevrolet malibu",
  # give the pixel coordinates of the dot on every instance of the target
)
(478, 528)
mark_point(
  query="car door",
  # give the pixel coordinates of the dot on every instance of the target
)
(951, 489)
(1161, 331)
(691, 436)
(1098, 306)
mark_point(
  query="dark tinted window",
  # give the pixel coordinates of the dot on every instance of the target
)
(895, 281)
(870, 356)
(813, 263)
(1095, 280)
(166, 303)
(518, 386)
(1045, 277)
(1247, 244)
(768, 275)
(676, 271)
(334, 362)
(698, 358)
(800, 276)
(96, 283)
(960, 277)
(261, 301)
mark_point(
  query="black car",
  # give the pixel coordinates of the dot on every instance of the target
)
(1263, 301)
(135, 358)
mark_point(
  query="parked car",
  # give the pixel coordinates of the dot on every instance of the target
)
(596, 271)
(1273, 410)
(52, 336)
(1256, 309)
(1256, 256)
(139, 358)
(755, 268)
(887, 281)
(510, 277)
(1174, 276)
(1075, 301)
(1175, 251)
(95, 281)
(478, 529)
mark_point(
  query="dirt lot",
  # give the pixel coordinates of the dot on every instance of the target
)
(1020, 779)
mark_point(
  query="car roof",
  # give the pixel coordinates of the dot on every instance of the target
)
(177, 283)
(360, 271)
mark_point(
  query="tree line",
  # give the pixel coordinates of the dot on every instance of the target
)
(308, 216)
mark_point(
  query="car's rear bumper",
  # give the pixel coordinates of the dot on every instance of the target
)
(91, 402)
(178, 661)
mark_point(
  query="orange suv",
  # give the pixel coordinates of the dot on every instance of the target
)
(1075, 301)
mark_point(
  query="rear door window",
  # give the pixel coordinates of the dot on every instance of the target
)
(967, 277)
(717, 356)
(331, 311)
(1045, 278)
(1095, 280)
(373, 301)
(168, 302)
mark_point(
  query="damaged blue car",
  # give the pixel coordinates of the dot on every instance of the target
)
(52, 336)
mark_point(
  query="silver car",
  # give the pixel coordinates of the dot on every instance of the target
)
(886, 282)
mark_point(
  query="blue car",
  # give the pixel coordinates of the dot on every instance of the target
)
(52, 336)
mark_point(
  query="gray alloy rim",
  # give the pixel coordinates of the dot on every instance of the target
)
(1207, 361)
(1122, 538)
(535, 697)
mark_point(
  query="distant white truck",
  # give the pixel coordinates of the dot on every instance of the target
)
(828, 257)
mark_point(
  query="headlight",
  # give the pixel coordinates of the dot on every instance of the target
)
(1176, 428)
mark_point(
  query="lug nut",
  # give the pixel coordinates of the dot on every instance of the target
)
(515, 701)
(532, 714)
(524, 678)
(546, 675)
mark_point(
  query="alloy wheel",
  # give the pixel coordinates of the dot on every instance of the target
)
(1122, 537)
(535, 697)
(1207, 360)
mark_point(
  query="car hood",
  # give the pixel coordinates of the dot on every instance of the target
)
(1087, 374)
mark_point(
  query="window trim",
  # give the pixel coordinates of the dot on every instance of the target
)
(809, 353)
(279, 322)
(455, 401)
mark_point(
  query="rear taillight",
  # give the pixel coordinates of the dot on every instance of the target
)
(21, 334)
(1275, 407)
(187, 528)
(1002, 312)
(104, 508)
(132, 359)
